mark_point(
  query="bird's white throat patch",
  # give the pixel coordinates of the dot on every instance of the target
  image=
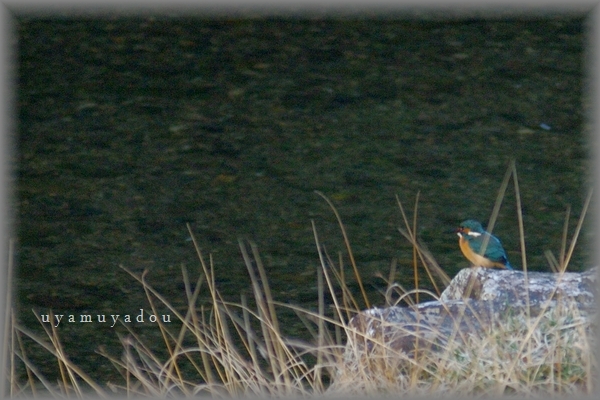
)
(475, 234)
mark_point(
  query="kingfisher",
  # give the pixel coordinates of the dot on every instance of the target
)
(471, 236)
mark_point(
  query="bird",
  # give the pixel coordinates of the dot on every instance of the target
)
(471, 237)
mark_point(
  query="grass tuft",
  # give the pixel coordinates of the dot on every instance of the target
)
(238, 349)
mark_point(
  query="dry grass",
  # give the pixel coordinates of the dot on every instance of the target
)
(239, 350)
(553, 357)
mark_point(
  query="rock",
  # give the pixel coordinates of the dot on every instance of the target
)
(510, 288)
(476, 302)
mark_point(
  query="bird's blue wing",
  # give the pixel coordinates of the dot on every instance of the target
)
(493, 250)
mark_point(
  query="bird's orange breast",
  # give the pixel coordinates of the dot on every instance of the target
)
(475, 258)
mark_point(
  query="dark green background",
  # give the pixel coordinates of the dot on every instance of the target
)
(129, 128)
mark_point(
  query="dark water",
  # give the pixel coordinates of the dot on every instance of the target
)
(129, 129)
